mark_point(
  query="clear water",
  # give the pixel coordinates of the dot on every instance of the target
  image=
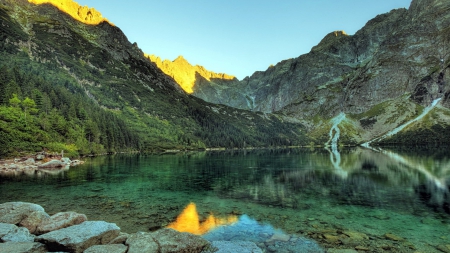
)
(358, 198)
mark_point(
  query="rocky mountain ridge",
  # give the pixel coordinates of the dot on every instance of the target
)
(187, 76)
(380, 77)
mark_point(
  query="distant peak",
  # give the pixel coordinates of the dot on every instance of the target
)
(83, 14)
(180, 58)
(340, 33)
(184, 73)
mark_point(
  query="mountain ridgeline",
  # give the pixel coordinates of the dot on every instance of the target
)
(383, 76)
(83, 88)
(70, 80)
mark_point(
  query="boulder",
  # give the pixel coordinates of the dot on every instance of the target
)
(23, 247)
(60, 220)
(78, 238)
(170, 240)
(121, 239)
(13, 233)
(15, 212)
(66, 160)
(6, 229)
(141, 242)
(40, 157)
(110, 248)
(33, 220)
(52, 165)
(30, 161)
(235, 246)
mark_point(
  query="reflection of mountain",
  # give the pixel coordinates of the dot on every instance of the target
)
(371, 179)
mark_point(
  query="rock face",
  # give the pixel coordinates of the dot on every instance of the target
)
(191, 78)
(77, 238)
(397, 55)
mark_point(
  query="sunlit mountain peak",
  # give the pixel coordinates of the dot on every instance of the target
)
(184, 73)
(83, 14)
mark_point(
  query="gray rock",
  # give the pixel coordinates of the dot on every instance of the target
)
(77, 238)
(60, 220)
(33, 220)
(141, 242)
(52, 164)
(15, 212)
(22, 247)
(121, 239)
(40, 157)
(66, 160)
(110, 248)
(30, 161)
(12, 233)
(170, 240)
(6, 229)
(235, 246)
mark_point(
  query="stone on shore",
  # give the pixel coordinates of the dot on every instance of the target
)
(141, 242)
(33, 220)
(110, 248)
(13, 233)
(53, 164)
(60, 220)
(170, 240)
(15, 212)
(23, 247)
(165, 241)
(78, 238)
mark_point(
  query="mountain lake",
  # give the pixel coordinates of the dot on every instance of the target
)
(368, 199)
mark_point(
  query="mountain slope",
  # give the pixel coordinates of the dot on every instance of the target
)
(99, 71)
(399, 62)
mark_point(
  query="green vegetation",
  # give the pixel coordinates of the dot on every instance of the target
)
(89, 91)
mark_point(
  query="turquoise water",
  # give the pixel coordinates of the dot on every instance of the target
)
(383, 201)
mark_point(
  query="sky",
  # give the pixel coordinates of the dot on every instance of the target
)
(236, 37)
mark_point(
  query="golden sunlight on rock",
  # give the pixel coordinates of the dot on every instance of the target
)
(184, 73)
(188, 221)
(83, 14)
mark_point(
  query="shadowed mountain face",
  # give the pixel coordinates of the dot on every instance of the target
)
(98, 66)
(381, 77)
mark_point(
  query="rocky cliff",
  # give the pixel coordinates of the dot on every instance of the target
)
(380, 77)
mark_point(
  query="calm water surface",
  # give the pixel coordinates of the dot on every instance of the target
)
(309, 193)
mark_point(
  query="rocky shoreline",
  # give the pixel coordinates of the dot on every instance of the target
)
(26, 227)
(41, 162)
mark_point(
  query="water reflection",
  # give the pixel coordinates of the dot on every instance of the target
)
(189, 221)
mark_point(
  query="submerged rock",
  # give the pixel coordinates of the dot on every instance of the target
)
(77, 238)
(111, 248)
(235, 246)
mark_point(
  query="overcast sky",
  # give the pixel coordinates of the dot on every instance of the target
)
(237, 37)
